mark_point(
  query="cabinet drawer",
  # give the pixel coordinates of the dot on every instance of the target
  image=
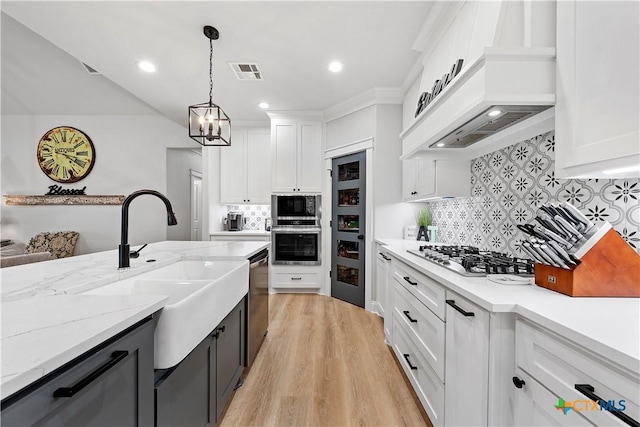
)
(560, 365)
(111, 385)
(428, 291)
(425, 381)
(536, 406)
(425, 328)
(296, 280)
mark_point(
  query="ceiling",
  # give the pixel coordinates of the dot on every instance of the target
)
(292, 42)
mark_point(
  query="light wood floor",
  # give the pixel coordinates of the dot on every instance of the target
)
(323, 363)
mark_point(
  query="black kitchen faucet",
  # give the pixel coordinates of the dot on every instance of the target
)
(123, 249)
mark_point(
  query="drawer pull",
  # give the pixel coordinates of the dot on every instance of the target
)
(413, 368)
(589, 391)
(406, 313)
(296, 278)
(116, 357)
(408, 279)
(452, 303)
(386, 258)
(518, 382)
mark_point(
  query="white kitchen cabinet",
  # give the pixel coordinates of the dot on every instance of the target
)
(296, 155)
(536, 406)
(467, 364)
(427, 179)
(291, 278)
(245, 168)
(382, 289)
(546, 361)
(597, 86)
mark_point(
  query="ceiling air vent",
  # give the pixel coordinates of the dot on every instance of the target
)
(246, 70)
(90, 69)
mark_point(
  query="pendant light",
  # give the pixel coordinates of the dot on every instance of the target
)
(209, 125)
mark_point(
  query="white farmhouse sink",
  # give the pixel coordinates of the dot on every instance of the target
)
(201, 293)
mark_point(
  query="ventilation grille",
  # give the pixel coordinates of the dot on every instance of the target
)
(246, 70)
(90, 69)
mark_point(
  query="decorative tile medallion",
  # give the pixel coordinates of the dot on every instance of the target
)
(508, 186)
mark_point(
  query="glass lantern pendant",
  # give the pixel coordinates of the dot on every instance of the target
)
(209, 125)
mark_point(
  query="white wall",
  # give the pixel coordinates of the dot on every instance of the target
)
(130, 155)
(351, 128)
(179, 163)
(383, 123)
(391, 214)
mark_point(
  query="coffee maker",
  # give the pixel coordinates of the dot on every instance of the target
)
(235, 221)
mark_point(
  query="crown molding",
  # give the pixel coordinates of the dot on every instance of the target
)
(378, 95)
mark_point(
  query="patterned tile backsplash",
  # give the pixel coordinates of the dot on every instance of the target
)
(508, 186)
(254, 215)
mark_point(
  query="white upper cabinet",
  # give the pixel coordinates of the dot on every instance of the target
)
(245, 168)
(427, 179)
(296, 155)
(598, 82)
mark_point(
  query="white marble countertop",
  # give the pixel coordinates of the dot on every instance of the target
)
(46, 324)
(607, 326)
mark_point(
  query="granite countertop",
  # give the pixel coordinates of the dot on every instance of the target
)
(45, 323)
(607, 326)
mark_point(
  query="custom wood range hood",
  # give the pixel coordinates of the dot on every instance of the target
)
(503, 87)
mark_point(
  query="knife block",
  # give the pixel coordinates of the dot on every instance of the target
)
(611, 268)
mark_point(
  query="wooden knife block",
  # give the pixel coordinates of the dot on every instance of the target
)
(611, 268)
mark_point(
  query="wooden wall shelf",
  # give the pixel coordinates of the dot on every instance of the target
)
(21, 200)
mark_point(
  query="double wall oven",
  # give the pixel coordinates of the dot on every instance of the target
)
(295, 231)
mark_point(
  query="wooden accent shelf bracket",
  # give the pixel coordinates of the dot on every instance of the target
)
(21, 200)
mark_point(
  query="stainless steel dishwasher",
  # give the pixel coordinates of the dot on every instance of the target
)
(258, 303)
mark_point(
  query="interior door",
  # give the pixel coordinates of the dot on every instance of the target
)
(348, 228)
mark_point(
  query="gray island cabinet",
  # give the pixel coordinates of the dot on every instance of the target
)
(110, 385)
(196, 391)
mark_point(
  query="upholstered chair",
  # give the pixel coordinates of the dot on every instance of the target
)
(60, 244)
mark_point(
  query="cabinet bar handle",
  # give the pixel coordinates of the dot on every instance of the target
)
(589, 391)
(413, 368)
(408, 279)
(518, 382)
(452, 303)
(116, 357)
(296, 278)
(406, 313)
(386, 257)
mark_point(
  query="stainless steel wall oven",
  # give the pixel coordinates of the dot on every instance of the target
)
(295, 233)
(296, 245)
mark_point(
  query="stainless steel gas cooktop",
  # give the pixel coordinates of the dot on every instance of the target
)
(471, 261)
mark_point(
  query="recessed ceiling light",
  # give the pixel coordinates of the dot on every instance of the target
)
(147, 66)
(440, 144)
(263, 105)
(335, 66)
(494, 113)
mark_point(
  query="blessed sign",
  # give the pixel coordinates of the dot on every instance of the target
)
(438, 85)
(56, 190)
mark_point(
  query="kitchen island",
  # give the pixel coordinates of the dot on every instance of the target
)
(47, 323)
(512, 350)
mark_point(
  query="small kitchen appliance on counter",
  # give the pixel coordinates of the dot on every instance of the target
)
(235, 221)
(472, 262)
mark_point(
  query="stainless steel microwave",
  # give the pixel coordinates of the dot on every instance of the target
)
(300, 207)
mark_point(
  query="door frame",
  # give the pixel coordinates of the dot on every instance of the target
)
(366, 145)
(194, 174)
